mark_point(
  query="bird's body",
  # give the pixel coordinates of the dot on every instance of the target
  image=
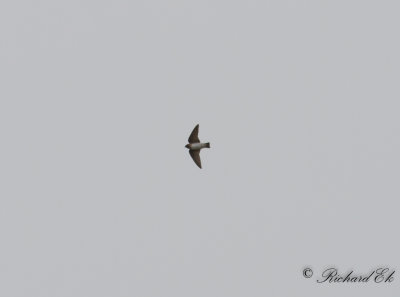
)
(195, 146)
(198, 145)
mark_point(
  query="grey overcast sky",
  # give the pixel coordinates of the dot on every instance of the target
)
(99, 197)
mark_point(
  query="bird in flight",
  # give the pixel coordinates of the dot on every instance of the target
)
(195, 146)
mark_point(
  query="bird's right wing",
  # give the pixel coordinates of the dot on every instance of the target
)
(194, 137)
(195, 154)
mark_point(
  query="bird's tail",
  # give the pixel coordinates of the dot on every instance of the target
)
(208, 145)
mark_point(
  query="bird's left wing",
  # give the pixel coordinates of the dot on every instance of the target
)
(194, 136)
(195, 154)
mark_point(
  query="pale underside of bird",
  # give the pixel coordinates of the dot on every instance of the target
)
(195, 145)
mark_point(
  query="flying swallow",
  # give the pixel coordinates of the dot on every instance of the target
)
(195, 146)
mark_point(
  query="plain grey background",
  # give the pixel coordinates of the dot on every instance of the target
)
(99, 197)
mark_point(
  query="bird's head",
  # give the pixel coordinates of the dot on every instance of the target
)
(187, 146)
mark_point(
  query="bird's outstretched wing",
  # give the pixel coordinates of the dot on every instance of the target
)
(195, 154)
(194, 137)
